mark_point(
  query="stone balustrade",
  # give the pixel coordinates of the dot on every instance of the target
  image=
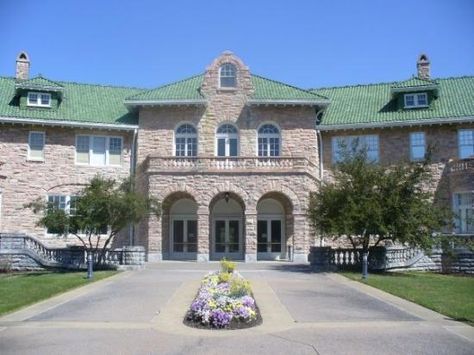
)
(164, 164)
(461, 166)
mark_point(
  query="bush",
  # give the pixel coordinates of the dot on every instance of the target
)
(239, 287)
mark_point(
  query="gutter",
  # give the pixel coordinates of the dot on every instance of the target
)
(420, 122)
(289, 102)
(163, 102)
(64, 123)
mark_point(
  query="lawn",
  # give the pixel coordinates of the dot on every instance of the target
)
(19, 290)
(451, 295)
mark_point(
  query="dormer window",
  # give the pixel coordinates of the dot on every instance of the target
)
(227, 76)
(416, 100)
(39, 99)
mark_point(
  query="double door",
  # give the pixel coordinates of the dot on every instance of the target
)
(270, 239)
(227, 238)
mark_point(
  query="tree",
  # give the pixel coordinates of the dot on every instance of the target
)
(368, 202)
(101, 210)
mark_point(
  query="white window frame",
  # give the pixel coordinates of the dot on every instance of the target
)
(227, 137)
(459, 224)
(268, 136)
(38, 102)
(416, 100)
(228, 76)
(186, 136)
(107, 147)
(29, 146)
(413, 145)
(348, 141)
(461, 155)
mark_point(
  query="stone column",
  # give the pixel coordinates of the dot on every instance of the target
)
(301, 248)
(155, 238)
(203, 237)
(251, 236)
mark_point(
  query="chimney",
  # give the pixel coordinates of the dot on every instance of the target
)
(423, 67)
(22, 66)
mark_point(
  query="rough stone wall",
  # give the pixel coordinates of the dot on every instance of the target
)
(227, 105)
(394, 147)
(58, 174)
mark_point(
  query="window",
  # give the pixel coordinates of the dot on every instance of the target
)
(354, 144)
(416, 100)
(99, 150)
(36, 146)
(466, 143)
(186, 141)
(417, 145)
(227, 141)
(268, 141)
(464, 212)
(227, 76)
(67, 203)
(39, 99)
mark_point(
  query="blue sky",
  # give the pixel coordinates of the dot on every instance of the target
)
(306, 43)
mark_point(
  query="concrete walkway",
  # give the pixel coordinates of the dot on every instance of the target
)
(141, 312)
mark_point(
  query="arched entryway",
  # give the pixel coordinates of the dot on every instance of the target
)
(180, 227)
(274, 226)
(227, 226)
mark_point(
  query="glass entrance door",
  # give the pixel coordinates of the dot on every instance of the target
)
(184, 243)
(270, 239)
(227, 239)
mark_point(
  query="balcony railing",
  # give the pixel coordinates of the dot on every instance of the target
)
(461, 166)
(160, 164)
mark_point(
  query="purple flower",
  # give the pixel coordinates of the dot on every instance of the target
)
(220, 319)
(248, 301)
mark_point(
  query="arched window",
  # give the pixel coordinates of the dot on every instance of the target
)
(228, 76)
(227, 141)
(186, 141)
(268, 141)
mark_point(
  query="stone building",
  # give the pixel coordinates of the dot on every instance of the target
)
(231, 155)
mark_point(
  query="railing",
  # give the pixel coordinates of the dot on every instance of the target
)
(72, 257)
(462, 165)
(230, 164)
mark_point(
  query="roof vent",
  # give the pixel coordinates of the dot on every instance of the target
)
(423, 67)
(22, 66)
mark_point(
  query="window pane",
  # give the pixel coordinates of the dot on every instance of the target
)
(262, 147)
(220, 236)
(98, 151)
(115, 151)
(262, 236)
(192, 147)
(422, 100)
(233, 236)
(192, 236)
(178, 236)
(36, 145)
(33, 98)
(221, 147)
(409, 100)
(45, 99)
(233, 147)
(180, 147)
(276, 236)
(466, 144)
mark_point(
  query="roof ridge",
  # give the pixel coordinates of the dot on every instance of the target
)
(166, 85)
(290, 86)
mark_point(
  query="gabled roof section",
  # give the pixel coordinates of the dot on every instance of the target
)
(186, 91)
(372, 105)
(81, 104)
(414, 84)
(39, 83)
(269, 91)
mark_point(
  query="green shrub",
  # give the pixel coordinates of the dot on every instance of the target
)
(227, 266)
(239, 287)
(224, 277)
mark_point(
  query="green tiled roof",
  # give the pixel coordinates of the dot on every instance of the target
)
(39, 83)
(82, 103)
(189, 90)
(271, 90)
(373, 104)
(414, 82)
(184, 90)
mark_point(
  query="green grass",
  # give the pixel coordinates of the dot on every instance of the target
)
(19, 290)
(451, 295)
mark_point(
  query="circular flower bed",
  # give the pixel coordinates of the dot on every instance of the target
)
(224, 300)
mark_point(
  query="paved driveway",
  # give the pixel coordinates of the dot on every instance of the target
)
(141, 313)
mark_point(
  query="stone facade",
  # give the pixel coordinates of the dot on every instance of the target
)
(26, 180)
(295, 173)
